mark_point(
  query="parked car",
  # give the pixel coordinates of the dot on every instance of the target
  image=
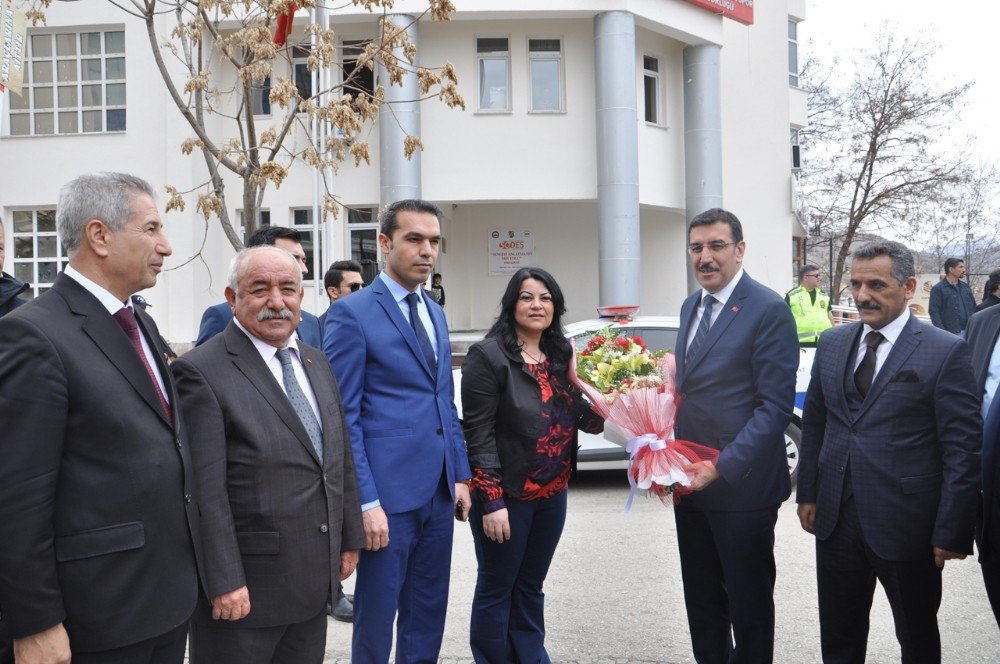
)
(660, 332)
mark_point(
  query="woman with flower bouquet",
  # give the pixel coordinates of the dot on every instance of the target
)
(521, 414)
(633, 388)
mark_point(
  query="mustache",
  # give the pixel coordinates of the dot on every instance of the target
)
(267, 314)
(705, 269)
(870, 306)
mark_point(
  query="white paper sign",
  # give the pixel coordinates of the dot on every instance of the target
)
(510, 250)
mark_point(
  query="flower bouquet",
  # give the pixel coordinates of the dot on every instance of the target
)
(633, 389)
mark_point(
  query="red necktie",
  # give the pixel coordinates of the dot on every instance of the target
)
(126, 319)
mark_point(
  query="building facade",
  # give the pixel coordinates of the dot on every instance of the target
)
(593, 132)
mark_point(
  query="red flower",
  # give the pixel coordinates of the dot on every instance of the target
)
(596, 342)
(640, 342)
(585, 352)
(623, 343)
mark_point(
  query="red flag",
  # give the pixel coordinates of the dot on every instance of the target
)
(284, 26)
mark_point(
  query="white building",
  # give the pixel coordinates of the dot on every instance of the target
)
(541, 147)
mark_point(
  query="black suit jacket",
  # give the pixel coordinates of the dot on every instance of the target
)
(97, 519)
(983, 333)
(275, 518)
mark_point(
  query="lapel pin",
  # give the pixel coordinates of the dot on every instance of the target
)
(735, 309)
(308, 361)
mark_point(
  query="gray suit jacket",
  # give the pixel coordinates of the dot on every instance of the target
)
(274, 518)
(982, 334)
(912, 448)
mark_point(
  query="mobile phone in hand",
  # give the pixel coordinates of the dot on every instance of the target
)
(459, 510)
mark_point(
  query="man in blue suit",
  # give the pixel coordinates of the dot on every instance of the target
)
(889, 473)
(388, 346)
(217, 317)
(738, 352)
(983, 335)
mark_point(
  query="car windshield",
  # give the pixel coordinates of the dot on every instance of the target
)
(656, 338)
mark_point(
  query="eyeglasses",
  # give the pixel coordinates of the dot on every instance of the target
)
(715, 246)
(356, 286)
(814, 275)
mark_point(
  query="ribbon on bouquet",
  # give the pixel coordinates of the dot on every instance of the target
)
(633, 446)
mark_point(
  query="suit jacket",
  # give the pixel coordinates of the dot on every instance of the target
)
(911, 448)
(737, 396)
(97, 517)
(275, 518)
(404, 427)
(982, 334)
(217, 317)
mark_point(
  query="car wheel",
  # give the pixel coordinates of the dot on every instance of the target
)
(793, 443)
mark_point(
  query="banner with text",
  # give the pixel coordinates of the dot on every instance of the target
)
(738, 10)
(510, 250)
(12, 36)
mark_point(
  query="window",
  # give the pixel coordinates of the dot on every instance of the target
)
(302, 221)
(796, 161)
(651, 89)
(38, 252)
(300, 70)
(545, 75)
(363, 223)
(260, 97)
(793, 53)
(493, 56)
(363, 82)
(73, 83)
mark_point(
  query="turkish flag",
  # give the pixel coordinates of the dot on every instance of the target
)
(284, 26)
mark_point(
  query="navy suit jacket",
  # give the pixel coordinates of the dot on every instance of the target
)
(217, 317)
(982, 334)
(912, 447)
(402, 419)
(737, 396)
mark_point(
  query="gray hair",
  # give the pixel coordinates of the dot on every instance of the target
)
(103, 196)
(902, 258)
(240, 260)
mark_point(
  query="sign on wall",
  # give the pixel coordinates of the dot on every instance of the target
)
(12, 35)
(510, 250)
(738, 10)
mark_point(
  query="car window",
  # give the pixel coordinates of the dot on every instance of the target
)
(656, 338)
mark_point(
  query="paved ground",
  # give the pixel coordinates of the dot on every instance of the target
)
(614, 592)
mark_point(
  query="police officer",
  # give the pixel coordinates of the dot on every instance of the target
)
(810, 306)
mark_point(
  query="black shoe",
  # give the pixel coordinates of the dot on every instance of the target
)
(349, 598)
(343, 611)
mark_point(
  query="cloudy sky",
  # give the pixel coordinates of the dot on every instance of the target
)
(967, 32)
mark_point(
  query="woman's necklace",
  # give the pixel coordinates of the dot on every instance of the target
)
(538, 359)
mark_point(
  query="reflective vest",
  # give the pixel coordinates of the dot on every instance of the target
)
(810, 318)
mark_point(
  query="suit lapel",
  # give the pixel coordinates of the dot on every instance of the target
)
(680, 351)
(104, 331)
(313, 363)
(981, 362)
(906, 343)
(845, 359)
(251, 364)
(391, 307)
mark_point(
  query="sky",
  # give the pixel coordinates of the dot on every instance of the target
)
(967, 32)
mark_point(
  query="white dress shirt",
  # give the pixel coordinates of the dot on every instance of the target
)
(270, 356)
(891, 333)
(399, 293)
(114, 305)
(721, 296)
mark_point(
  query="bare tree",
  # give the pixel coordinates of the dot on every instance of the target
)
(876, 147)
(219, 59)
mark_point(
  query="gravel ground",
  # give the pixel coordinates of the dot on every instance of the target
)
(614, 592)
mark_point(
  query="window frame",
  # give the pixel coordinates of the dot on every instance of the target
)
(359, 227)
(793, 45)
(660, 120)
(479, 58)
(547, 56)
(61, 259)
(79, 108)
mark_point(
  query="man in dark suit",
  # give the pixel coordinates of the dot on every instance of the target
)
(98, 518)
(388, 345)
(274, 474)
(218, 316)
(736, 363)
(889, 472)
(983, 335)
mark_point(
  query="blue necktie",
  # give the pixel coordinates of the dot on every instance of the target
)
(702, 332)
(299, 401)
(418, 329)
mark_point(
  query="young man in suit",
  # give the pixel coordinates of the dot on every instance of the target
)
(983, 336)
(736, 363)
(217, 317)
(98, 517)
(388, 345)
(889, 472)
(273, 471)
